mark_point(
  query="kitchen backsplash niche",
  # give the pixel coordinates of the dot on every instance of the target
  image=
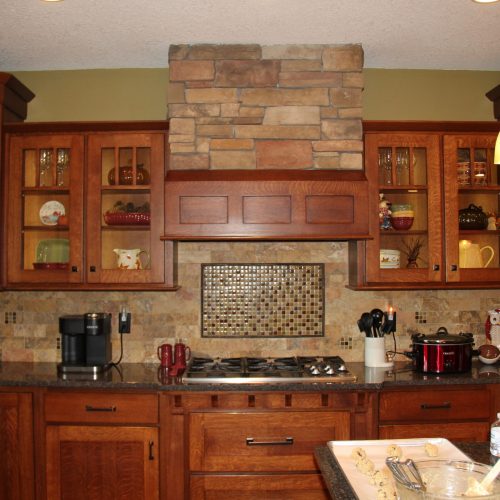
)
(29, 320)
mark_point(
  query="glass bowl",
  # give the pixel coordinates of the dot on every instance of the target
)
(448, 480)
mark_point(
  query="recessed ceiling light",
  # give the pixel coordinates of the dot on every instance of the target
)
(485, 1)
(62, 0)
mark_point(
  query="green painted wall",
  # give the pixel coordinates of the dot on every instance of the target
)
(428, 95)
(97, 95)
(141, 94)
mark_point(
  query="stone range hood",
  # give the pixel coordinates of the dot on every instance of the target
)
(266, 143)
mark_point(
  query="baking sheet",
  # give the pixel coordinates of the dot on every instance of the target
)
(376, 451)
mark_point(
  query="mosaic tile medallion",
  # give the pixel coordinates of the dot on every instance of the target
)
(262, 300)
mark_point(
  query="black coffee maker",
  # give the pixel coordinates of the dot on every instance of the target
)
(85, 343)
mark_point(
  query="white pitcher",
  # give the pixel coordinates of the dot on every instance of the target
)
(470, 254)
(129, 258)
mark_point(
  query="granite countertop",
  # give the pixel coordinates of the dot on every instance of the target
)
(152, 377)
(339, 486)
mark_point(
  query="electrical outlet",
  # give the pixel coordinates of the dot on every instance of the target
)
(124, 321)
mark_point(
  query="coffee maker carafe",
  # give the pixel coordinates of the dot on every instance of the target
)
(85, 343)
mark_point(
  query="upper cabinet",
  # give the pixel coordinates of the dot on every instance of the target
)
(434, 208)
(85, 208)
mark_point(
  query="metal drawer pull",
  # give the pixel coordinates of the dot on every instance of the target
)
(435, 407)
(100, 408)
(151, 456)
(252, 442)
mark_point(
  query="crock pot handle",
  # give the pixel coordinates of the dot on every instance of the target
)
(442, 330)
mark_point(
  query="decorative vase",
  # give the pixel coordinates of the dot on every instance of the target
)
(126, 176)
(412, 264)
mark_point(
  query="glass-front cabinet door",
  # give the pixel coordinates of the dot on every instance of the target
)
(472, 209)
(125, 209)
(404, 172)
(45, 209)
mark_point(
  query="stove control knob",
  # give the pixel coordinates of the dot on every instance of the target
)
(314, 370)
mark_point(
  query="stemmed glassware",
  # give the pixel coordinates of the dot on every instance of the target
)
(385, 165)
(45, 161)
(402, 166)
(61, 166)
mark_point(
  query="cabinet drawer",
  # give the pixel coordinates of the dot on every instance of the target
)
(434, 406)
(454, 431)
(262, 441)
(252, 487)
(101, 407)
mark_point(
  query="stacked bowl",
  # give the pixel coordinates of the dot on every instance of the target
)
(402, 217)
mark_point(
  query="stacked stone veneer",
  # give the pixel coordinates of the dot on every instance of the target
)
(265, 107)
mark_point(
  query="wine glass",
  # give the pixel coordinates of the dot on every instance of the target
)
(45, 161)
(402, 166)
(385, 165)
(61, 166)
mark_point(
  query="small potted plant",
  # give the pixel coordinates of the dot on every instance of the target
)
(412, 251)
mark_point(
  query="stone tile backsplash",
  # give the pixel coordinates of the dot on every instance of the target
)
(29, 326)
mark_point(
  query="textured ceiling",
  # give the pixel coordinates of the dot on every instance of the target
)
(74, 34)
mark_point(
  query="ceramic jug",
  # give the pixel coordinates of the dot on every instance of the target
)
(471, 255)
(130, 258)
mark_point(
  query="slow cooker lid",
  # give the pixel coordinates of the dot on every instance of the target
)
(443, 337)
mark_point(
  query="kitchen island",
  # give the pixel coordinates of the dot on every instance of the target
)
(340, 488)
(199, 440)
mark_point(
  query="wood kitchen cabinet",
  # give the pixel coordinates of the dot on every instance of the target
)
(428, 172)
(454, 413)
(17, 480)
(257, 444)
(101, 446)
(80, 195)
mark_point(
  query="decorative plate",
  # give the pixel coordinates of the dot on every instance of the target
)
(50, 212)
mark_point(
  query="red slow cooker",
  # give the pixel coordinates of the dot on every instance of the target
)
(442, 352)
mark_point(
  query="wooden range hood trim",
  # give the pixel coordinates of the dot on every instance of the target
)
(266, 205)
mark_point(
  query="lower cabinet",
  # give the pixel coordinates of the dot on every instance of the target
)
(101, 446)
(91, 462)
(258, 445)
(454, 413)
(16, 446)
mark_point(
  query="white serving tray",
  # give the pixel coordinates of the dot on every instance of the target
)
(376, 451)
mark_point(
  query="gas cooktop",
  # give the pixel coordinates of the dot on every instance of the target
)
(249, 370)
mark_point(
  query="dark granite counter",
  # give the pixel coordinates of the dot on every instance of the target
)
(339, 486)
(152, 377)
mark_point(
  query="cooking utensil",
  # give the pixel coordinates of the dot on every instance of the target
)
(377, 316)
(365, 324)
(442, 352)
(406, 473)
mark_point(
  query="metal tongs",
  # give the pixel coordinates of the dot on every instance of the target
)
(406, 473)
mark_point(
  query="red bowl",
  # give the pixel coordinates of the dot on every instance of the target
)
(50, 266)
(127, 218)
(401, 223)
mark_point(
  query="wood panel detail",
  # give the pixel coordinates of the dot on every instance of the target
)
(266, 205)
(330, 209)
(203, 210)
(267, 209)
